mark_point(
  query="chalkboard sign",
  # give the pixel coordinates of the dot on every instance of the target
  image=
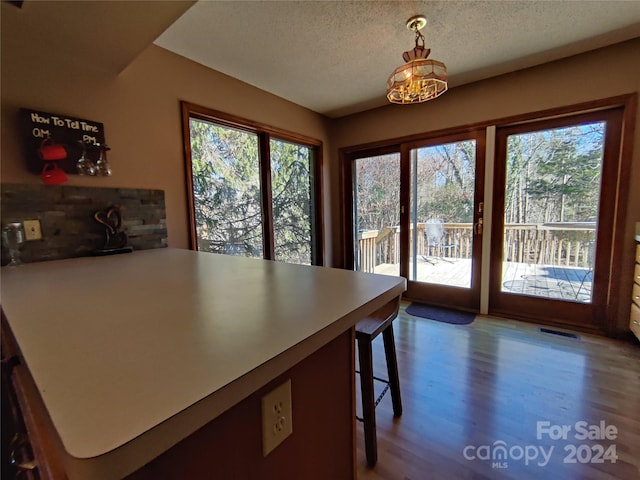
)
(52, 137)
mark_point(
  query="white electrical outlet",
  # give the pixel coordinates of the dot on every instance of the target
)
(276, 417)
(32, 230)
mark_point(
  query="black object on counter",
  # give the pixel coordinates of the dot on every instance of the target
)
(116, 240)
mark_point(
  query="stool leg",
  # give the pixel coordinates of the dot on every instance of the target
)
(368, 405)
(392, 369)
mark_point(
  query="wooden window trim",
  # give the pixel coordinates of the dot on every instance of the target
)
(264, 133)
(627, 102)
(620, 254)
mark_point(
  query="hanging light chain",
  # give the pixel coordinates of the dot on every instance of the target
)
(419, 37)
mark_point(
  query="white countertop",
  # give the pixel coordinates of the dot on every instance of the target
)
(137, 351)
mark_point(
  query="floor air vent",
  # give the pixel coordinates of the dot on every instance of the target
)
(559, 333)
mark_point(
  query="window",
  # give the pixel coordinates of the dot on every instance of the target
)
(291, 201)
(253, 190)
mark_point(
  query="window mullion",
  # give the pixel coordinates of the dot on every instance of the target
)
(264, 152)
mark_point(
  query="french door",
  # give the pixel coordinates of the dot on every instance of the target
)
(446, 184)
(554, 204)
(555, 214)
(416, 211)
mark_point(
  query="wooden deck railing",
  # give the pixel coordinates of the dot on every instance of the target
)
(558, 244)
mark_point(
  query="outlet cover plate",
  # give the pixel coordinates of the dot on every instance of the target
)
(277, 421)
(32, 230)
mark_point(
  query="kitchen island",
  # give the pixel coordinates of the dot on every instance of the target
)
(158, 359)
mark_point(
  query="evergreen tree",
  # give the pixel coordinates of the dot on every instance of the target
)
(227, 196)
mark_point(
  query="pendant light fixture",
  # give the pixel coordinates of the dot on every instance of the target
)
(420, 79)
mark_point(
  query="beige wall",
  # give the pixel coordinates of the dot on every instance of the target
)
(594, 75)
(598, 74)
(141, 114)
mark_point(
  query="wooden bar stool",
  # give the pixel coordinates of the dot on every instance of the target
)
(366, 330)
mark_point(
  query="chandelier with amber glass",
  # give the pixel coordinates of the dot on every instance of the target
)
(420, 79)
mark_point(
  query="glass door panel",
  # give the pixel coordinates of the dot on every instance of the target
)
(553, 222)
(442, 213)
(376, 214)
(552, 193)
(445, 187)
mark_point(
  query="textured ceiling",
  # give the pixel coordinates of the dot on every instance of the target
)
(334, 57)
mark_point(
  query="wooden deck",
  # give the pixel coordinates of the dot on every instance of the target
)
(547, 281)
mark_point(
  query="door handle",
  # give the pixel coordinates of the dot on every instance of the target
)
(477, 228)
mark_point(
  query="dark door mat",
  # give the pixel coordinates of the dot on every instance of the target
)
(440, 314)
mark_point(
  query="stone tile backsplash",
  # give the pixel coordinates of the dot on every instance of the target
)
(67, 223)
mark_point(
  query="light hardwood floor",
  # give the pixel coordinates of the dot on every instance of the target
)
(494, 381)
